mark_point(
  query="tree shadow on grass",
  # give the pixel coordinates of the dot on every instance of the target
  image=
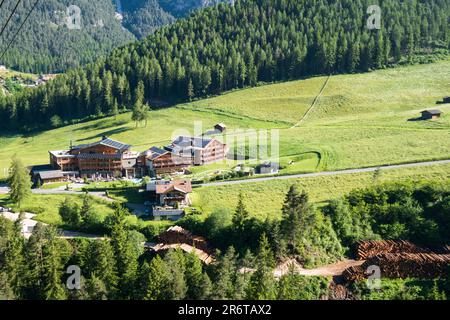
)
(417, 119)
(102, 125)
(106, 133)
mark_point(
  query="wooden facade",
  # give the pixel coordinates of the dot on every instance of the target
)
(167, 162)
(106, 157)
(185, 152)
(431, 114)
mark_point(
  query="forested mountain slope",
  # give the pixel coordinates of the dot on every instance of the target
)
(182, 8)
(47, 45)
(143, 17)
(226, 47)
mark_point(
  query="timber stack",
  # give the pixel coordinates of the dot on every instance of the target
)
(178, 235)
(371, 248)
(402, 265)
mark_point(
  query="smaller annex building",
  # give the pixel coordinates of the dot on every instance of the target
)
(184, 152)
(431, 114)
(169, 198)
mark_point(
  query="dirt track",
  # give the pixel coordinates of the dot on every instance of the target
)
(335, 269)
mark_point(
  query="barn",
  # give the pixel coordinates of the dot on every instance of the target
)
(431, 114)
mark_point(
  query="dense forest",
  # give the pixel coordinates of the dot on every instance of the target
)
(120, 268)
(46, 45)
(143, 17)
(226, 47)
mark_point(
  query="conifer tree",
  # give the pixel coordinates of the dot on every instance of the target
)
(241, 215)
(19, 182)
(154, 280)
(223, 284)
(262, 284)
(177, 281)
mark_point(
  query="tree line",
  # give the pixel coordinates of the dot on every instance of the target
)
(248, 249)
(119, 268)
(226, 47)
(45, 43)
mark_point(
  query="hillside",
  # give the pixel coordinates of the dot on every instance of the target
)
(227, 47)
(46, 45)
(12, 81)
(143, 17)
(354, 124)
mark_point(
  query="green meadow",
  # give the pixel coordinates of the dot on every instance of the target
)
(265, 199)
(360, 120)
(46, 207)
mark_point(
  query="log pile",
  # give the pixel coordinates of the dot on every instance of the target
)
(403, 265)
(178, 235)
(339, 292)
(369, 249)
(202, 255)
(354, 274)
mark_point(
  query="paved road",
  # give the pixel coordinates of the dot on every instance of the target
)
(328, 173)
(4, 189)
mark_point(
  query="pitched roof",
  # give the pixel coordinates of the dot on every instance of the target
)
(105, 142)
(433, 112)
(157, 152)
(183, 186)
(61, 153)
(54, 174)
(99, 156)
(196, 142)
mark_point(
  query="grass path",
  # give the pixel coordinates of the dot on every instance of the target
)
(353, 121)
(314, 102)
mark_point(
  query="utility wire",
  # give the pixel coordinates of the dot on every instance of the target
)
(20, 29)
(1, 3)
(10, 17)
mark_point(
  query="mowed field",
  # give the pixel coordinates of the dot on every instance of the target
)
(360, 120)
(265, 199)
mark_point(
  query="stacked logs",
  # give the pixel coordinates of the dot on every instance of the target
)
(402, 265)
(178, 235)
(354, 274)
(407, 265)
(398, 259)
(372, 248)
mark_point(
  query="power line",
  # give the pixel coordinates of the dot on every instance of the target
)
(10, 17)
(1, 3)
(18, 30)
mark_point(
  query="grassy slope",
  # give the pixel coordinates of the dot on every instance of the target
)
(265, 199)
(46, 206)
(10, 74)
(361, 120)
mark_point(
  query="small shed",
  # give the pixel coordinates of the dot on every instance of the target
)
(431, 114)
(269, 168)
(49, 177)
(220, 127)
